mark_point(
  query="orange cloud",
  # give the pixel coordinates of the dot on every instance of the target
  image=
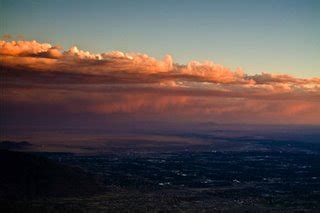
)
(37, 74)
(23, 48)
(31, 55)
(6, 36)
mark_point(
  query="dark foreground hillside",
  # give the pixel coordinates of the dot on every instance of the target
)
(26, 176)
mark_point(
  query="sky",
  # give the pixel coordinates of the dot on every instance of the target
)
(278, 36)
(124, 63)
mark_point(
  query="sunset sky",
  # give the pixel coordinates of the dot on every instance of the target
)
(280, 36)
(75, 62)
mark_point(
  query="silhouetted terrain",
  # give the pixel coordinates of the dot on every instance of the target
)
(26, 176)
(11, 145)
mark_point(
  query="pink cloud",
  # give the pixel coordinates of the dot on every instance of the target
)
(39, 74)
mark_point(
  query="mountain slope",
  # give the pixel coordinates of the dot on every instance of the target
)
(27, 176)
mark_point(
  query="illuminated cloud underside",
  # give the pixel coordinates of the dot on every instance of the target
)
(40, 75)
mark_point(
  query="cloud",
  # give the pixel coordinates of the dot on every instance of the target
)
(53, 103)
(269, 78)
(45, 57)
(213, 72)
(41, 76)
(23, 48)
(6, 36)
